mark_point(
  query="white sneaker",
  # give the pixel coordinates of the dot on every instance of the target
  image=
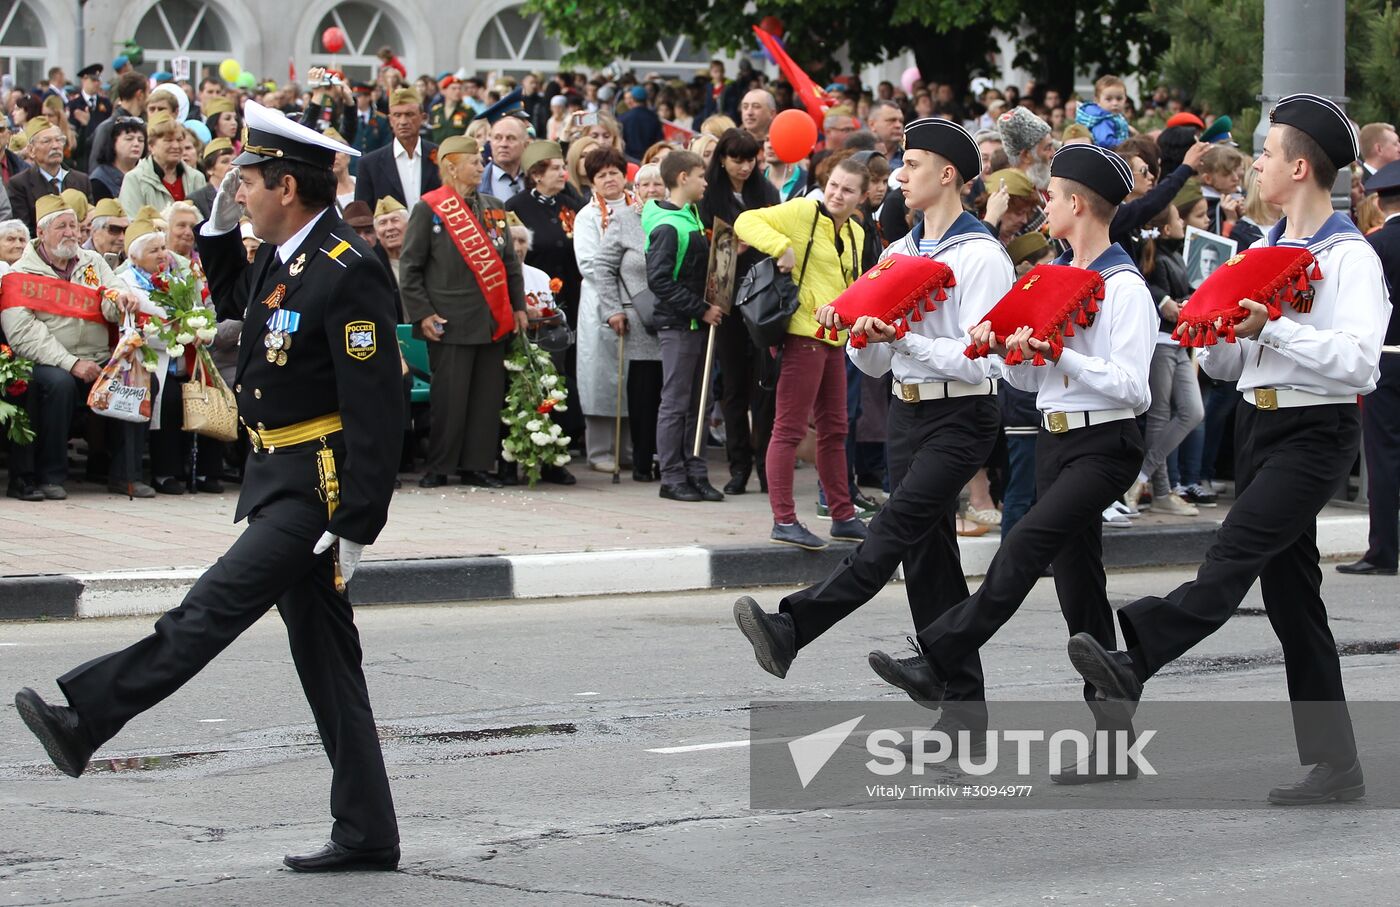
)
(990, 517)
(1125, 510)
(1175, 505)
(1114, 519)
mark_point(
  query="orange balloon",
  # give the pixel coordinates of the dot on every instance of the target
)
(793, 134)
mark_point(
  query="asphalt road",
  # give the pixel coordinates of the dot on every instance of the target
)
(519, 738)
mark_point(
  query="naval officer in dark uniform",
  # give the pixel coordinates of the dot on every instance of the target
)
(1380, 414)
(318, 390)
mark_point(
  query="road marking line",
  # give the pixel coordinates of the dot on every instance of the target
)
(698, 747)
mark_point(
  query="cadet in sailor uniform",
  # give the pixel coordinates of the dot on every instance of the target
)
(319, 393)
(1089, 448)
(943, 423)
(1296, 435)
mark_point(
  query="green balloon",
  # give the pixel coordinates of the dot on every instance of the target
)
(246, 80)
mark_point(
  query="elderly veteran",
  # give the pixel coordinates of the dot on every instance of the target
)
(48, 176)
(218, 157)
(462, 290)
(64, 330)
(390, 222)
(161, 177)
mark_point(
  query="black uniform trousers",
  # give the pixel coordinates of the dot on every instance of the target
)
(1288, 464)
(464, 403)
(936, 446)
(271, 562)
(1380, 433)
(1077, 474)
(743, 398)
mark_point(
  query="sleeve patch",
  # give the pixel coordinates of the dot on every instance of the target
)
(359, 340)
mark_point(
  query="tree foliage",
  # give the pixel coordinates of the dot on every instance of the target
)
(952, 40)
(1377, 92)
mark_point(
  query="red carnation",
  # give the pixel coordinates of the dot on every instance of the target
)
(17, 387)
(5, 351)
(545, 407)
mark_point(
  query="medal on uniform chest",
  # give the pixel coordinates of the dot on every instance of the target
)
(278, 340)
(297, 265)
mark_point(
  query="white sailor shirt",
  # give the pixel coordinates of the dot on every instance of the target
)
(1334, 350)
(934, 348)
(1104, 366)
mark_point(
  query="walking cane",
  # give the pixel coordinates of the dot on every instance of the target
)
(702, 424)
(617, 426)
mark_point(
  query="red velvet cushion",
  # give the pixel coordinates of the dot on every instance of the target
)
(1271, 275)
(897, 291)
(1050, 299)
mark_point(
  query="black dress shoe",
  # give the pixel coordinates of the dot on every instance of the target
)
(335, 858)
(737, 484)
(58, 730)
(773, 636)
(707, 491)
(954, 726)
(684, 492)
(209, 486)
(480, 479)
(1090, 772)
(643, 474)
(1364, 567)
(557, 475)
(169, 485)
(22, 490)
(508, 473)
(1111, 673)
(1322, 784)
(432, 480)
(914, 675)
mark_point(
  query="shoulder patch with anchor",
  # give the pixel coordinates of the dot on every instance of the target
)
(338, 248)
(359, 340)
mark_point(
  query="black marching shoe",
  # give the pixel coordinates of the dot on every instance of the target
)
(773, 636)
(707, 491)
(643, 473)
(209, 485)
(953, 724)
(914, 675)
(1364, 567)
(24, 490)
(479, 478)
(557, 475)
(1090, 772)
(680, 492)
(57, 729)
(508, 473)
(335, 858)
(432, 480)
(1323, 783)
(738, 483)
(1111, 673)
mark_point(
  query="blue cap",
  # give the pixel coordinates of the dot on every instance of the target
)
(835, 86)
(120, 61)
(639, 93)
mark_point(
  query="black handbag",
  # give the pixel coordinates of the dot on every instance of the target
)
(644, 304)
(767, 297)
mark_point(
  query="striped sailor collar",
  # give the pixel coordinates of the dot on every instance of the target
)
(964, 224)
(1338, 227)
(1111, 261)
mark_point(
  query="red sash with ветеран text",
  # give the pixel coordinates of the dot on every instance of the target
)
(51, 295)
(478, 252)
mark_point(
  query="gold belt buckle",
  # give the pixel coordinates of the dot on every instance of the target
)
(909, 393)
(1265, 398)
(254, 439)
(1059, 423)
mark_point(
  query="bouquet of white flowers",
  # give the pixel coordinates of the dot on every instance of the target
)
(535, 391)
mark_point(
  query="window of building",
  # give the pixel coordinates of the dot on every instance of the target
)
(23, 45)
(184, 28)
(367, 27)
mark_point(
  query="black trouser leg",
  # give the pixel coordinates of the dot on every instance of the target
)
(1380, 418)
(1292, 588)
(1289, 463)
(272, 554)
(326, 649)
(937, 447)
(1082, 588)
(735, 352)
(52, 399)
(1078, 474)
(643, 403)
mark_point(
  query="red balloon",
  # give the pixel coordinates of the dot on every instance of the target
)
(793, 133)
(773, 25)
(333, 40)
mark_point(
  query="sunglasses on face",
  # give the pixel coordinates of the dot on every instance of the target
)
(115, 231)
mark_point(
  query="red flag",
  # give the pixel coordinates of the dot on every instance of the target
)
(810, 93)
(291, 69)
(674, 133)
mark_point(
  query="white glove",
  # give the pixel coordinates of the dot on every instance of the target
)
(226, 211)
(350, 552)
